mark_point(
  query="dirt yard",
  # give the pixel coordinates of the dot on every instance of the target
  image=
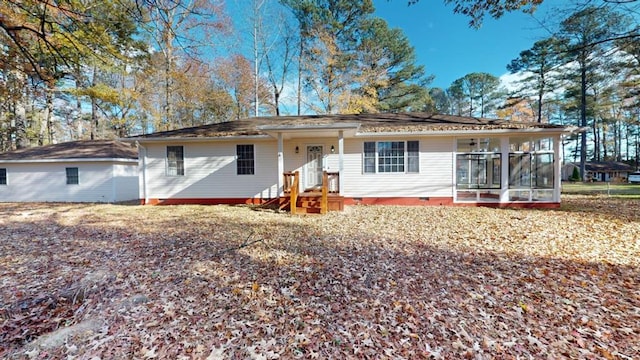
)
(210, 282)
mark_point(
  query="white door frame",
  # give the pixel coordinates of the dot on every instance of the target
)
(308, 182)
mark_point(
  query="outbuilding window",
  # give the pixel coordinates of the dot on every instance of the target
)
(245, 160)
(3, 176)
(175, 161)
(73, 177)
(391, 157)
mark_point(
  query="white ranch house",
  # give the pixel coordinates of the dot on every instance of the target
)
(79, 171)
(409, 159)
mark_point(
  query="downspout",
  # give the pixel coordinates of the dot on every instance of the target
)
(142, 153)
(341, 161)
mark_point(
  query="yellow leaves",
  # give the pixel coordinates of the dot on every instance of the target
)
(236, 291)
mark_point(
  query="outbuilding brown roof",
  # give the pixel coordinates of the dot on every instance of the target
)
(84, 149)
(369, 123)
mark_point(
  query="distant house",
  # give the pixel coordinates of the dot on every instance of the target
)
(410, 158)
(79, 171)
(600, 170)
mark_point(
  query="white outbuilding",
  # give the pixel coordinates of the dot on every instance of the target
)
(78, 171)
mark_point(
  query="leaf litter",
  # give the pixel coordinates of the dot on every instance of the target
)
(391, 282)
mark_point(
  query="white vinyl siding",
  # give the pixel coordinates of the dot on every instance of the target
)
(211, 172)
(125, 182)
(47, 182)
(435, 162)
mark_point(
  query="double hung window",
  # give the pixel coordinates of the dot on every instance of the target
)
(175, 161)
(245, 160)
(391, 157)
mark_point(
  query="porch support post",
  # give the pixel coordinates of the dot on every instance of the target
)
(280, 164)
(504, 169)
(557, 168)
(340, 159)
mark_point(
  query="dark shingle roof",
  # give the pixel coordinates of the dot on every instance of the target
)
(84, 149)
(600, 166)
(369, 123)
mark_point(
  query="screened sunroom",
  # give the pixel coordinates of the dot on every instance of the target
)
(505, 169)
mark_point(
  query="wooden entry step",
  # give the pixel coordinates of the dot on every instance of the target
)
(311, 203)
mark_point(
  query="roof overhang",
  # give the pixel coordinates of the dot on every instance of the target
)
(351, 130)
(311, 131)
(70, 160)
(194, 139)
(488, 132)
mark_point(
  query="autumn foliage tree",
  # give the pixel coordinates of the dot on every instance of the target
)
(353, 62)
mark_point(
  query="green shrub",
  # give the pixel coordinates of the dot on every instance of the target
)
(576, 175)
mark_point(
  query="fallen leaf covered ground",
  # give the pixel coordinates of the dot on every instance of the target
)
(378, 282)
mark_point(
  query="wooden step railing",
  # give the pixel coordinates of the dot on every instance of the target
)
(291, 186)
(330, 185)
(333, 182)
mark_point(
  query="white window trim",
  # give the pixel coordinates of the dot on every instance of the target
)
(253, 154)
(406, 158)
(166, 160)
(66, 174)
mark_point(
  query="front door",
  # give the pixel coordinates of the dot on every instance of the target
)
(314, 166)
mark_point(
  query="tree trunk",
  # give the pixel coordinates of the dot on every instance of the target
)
(94, 108)
(540, 96)
(276, 99)
(583, 118)
(20, 118)
(300, 74)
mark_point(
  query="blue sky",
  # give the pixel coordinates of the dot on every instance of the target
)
(449, 49)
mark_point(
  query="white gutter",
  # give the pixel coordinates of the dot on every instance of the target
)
(194, 139)
(570, 130)
(17, 161)
(352, 126)
(331, 126)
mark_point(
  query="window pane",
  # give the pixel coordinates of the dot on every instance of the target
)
(370, 157)
(245, 162)
(391, 156)
(519, 170)
(479, 171)
(462, 170)
(413, 156)
(496, 170)
(543, 171)
(3, 176)
(72, 176)
(175, 161)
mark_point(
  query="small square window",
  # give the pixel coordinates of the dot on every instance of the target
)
(73, 177)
